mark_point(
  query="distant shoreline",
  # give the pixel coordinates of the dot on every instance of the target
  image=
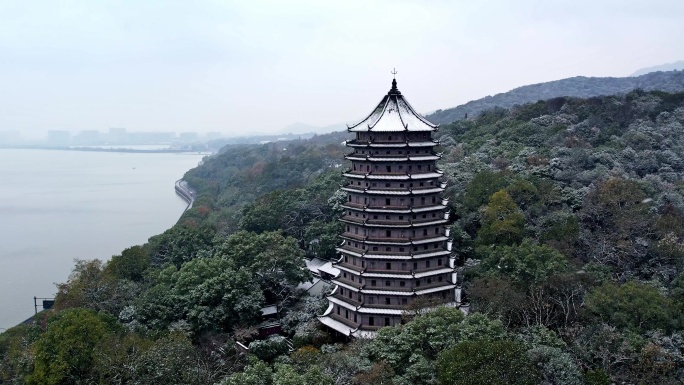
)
(100, 149)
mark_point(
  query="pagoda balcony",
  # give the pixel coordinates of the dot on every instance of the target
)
(407, 223)
(348, 300)
(420, 239)
(406, 272)
(349, 266)
(396, 209)
(445, 269)
(343, 320)
(447, 285)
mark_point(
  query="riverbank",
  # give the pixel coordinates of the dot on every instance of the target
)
(185, 192)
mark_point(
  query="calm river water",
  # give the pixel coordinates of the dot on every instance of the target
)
(57, 206)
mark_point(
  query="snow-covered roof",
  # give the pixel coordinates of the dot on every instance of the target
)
(393, 114)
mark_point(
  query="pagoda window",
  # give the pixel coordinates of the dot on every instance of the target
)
(388, 248)
(374, 282)
(347, 228)
(419, 167)
(388, 266)
(365, 200)
(373, 200)
(414, 215)
(422, 200)
(429, 280)
(358, 183)
(401, 217)
(367, 168)
(424, 231)
(402, 283)
(374, 184)
(401, 152)
(356, 245)
(389, 168)
(421, 184)
(434, 215)
(387, 217)
(388, 283)
(417, 282)
(387, 201)
(425, 247)
(436, 245)
(404, 301)
(354, 167)
(372, 266)
(410, 168)
(439, 262)
(363, 264)
(439, 278)
(387, 152)
(346, 314)
(371, 321)
(387, 321)
(410, 184)
(415, 248)
(401, 249)
(338, 310)
(403, 265)
(346, 258)
(401, 167)
(411, 201)
(401, 201)
(401, 185)
(427, 264)
(387, 184)
(349, 198)
(350, 294)
(375, 248)
(355, 317)
(376, 151)
(387, 302)
(371, 300)
(415, 265)
(375, 216)
(388, 233)
(428, 164)
(376, 168)
(389, 138)
(344, 275)
(356, 230)
(341, 290)
(434, 199)
(424, 215)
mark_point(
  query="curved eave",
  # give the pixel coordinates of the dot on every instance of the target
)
(407, 176)
(394, 192)
(353, 143)
(393, 114)
(370, 158)
(408, 210)
(396, 226)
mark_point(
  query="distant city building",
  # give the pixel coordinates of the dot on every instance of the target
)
(188, 136)
(10, 137)
(213, 135)
(59, 137)
(117, 135)
(88, 137)
(396, 252)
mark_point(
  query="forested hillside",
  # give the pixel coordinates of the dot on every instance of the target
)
(579, 86)
(569, 225)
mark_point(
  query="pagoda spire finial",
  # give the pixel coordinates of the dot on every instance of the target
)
(394, 89)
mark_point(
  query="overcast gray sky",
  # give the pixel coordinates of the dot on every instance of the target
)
(258, 66)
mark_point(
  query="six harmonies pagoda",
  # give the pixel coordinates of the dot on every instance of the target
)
(396, 252)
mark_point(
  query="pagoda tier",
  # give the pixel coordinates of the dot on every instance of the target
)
(395, 247)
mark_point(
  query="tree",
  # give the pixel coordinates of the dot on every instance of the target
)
(64, 354)
(632, 305)
(486, 362)
(502, 221)
(525, 264)
(131, 264)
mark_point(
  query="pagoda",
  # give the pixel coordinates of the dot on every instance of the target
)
(396, 253)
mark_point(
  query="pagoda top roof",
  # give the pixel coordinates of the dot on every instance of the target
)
(393, 114)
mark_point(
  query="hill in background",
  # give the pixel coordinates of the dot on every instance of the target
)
(579, 86)
(676, 66)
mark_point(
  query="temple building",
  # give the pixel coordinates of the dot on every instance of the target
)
(396, 252)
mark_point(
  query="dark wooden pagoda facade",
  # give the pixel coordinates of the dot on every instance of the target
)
(396, 252)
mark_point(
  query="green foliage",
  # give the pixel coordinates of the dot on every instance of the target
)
(632, 305)
(486, 362)
(131, 264)
(502, 221)
(525, 264)
(270, 348)
(65, 353)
